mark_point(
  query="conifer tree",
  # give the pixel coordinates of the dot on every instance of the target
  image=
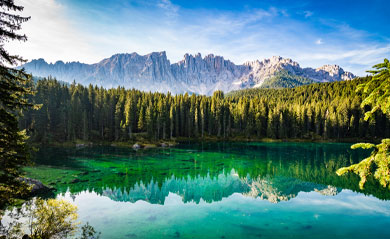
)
(141, 119)
(378, 97)
(171, 120)
(13, 92)
(129, 115)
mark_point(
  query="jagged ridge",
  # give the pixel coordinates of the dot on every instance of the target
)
(194, 74)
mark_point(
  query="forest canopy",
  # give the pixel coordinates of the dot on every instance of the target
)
(316, 111)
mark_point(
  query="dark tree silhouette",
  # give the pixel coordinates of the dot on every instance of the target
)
(13, 92)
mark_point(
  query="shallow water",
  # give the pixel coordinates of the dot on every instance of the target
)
(218, 190)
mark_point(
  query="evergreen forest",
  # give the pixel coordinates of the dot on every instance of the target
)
(322, 111)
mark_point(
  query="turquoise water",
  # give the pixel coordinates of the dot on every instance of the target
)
(218, 190)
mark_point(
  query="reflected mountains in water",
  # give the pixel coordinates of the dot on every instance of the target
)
(210, 189)
(202, 172)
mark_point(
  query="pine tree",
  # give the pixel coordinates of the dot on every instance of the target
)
(203, 116)
(119, 116)
(141, 119)
(378, 97)
(171, 120)
(13, 92)
(149, 118)
(129, 115)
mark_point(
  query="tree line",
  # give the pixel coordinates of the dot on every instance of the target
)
(316, 111)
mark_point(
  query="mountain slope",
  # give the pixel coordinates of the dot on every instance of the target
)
(154, 72)
(284, 79)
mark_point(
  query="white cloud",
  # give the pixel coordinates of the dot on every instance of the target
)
(357, 60)
(319, 42)
(308, 14)
(171, 10)
(364, 55)
(51, 34)
(161, 25)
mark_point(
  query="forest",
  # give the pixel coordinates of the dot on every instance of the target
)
(322, 111)
(49, 190)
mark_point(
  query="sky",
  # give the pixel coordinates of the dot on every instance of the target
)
(352, 34)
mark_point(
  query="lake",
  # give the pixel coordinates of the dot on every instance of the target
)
(218, 190)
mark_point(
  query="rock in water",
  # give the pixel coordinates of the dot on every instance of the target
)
(37, 186)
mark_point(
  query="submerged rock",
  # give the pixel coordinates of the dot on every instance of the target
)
(37, 186)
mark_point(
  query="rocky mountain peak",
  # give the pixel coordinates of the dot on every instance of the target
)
(333, 70)
(273, 62)
(154, 72)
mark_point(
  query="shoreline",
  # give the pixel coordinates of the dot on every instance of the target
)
(142, 143)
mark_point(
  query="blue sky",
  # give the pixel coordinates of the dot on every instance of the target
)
(353, 34)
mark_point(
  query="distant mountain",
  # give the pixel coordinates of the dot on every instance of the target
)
(194, 74)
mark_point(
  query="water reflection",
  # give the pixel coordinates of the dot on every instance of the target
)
(211, 189)
(209, 172)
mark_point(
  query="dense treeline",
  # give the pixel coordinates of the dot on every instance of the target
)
(327, 110)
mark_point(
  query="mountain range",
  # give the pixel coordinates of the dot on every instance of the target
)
(193, 74)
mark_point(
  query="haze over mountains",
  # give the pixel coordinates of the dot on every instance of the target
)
(193, 74)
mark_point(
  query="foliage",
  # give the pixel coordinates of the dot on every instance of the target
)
(88, 232)
(317, 111)
(43, 219)
(378, 164)
(10, 23)
(13, 98)
(363, 146)
(377, 89)
(52, 219)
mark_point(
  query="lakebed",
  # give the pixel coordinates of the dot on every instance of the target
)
(217, 190)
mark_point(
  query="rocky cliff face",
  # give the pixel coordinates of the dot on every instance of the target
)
(194, 74)
(262, 70)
